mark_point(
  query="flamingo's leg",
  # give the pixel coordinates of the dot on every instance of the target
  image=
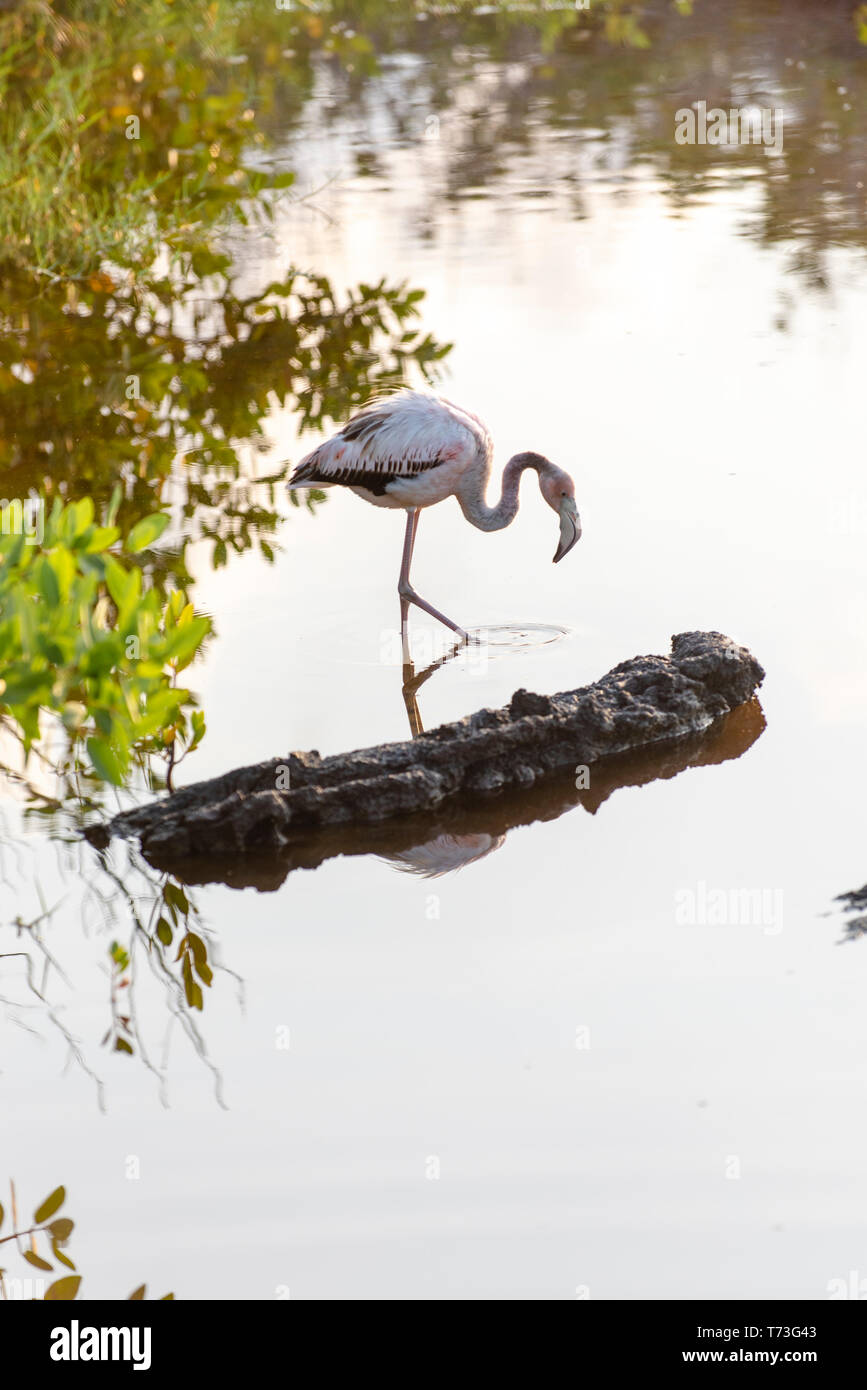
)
(408, 547)
(408, 594)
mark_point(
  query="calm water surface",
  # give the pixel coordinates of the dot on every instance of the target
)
(529, 1077)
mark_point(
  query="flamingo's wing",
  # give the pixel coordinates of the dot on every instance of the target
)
(399, 437)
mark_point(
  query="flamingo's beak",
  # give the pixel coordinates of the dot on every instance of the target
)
(570, 527)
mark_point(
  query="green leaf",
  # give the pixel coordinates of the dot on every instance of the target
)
(114, 504)
(48, 585)
(62, 1228)
(83, 515)
(33, 1259)
(164, 932)
(105, 761)
(174, 893)
(59, 1255)
(51, 1204)
(184, 641)
(100, 538)
(64, 1289)
(146, 531)
(200, 958)
(62, 562)
(121, 1045)
(118, 581)
(193, 991)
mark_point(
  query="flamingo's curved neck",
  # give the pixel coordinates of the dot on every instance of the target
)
(472, 493)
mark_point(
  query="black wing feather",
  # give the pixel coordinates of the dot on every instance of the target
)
(374, 480)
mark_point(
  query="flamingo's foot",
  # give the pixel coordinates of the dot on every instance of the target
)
(408, 595)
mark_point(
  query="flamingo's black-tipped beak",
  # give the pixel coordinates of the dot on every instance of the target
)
(570, 527)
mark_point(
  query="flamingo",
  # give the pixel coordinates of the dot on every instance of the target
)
(411, 450)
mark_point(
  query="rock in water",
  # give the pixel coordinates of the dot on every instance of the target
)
(643, 702)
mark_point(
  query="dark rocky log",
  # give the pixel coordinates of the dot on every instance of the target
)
(425, 842)
(650, 701)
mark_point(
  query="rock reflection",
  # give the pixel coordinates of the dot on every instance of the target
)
(161, 961)
(463, 833)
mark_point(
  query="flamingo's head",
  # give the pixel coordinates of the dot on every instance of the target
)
(558, 490)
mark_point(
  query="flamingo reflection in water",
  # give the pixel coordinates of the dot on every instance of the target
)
(445, 853)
